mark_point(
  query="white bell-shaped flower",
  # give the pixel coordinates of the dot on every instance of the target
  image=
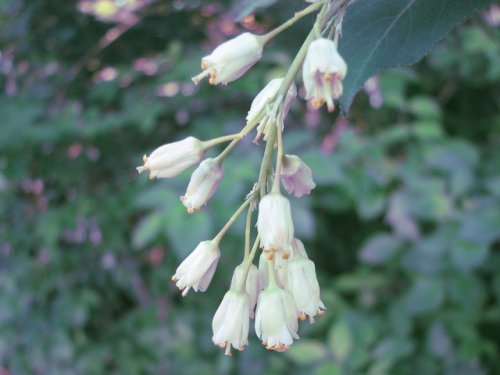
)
(231, 321)
(251, 285)
(276, 318)
(296, 176)
(304, 287)
(280, 270)
(231, 59)
(197, 270)
(323, 72)
(298, 246)
(173, 158)
(203, 184)
(258, 113)
(263, 273)
(274, 223)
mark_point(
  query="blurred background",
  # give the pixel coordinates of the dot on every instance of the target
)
(404, 225)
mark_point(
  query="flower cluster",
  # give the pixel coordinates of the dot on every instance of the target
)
(283, 289)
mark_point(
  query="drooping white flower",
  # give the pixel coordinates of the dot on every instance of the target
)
(203, 184)
(231, 321)
(231, 59)
(296, 176)
(251, 286)
(197, 270)
(323, 72)
(259, 109)
(276, 318)
(280, 270)
(274, 223)
(173, 158)
(263, 272)
(304, 286)
(298, 246)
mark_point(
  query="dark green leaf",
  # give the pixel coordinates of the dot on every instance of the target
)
(381, 34)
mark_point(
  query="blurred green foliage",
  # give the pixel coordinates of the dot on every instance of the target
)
(404, 225)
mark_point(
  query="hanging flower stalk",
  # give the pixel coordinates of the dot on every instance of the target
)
(284, 288)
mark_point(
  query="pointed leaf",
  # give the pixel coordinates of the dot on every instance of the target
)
(381, 34)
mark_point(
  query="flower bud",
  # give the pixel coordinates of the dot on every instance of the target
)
(231, 59)
(323, 72)
(274, 223)
(304, 286)
(202, 185)
(276, 319)
(258, 110)
(197, 270)
(231, 321)
(173, 158)
(296, 176)
(251, 286)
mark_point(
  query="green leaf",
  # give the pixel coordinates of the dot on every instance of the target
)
(307, 351)
(381, 34)
(148, 228)
(341, 341)
(467, 255)
(329, 369)
(426, 295)
(438, 340)
(379, 249)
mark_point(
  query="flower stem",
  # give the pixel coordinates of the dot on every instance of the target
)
(247, 233)
(248, 263)
(279, 155)
(219, 140)
(297, 16)
(266, 162)
(236, 138)
(285, 86)
(233, 218)
(271, 273)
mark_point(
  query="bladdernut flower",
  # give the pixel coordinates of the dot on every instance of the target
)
(323, 72)
(296, 176)
(251, 286)
(276, 319)
(274, 223)
(298, 246)
(203, 184)
(303, 286)
(280, 271)
(231, 59)
(173, 158)
(263, 272)
(258, 113)
(231, 321)
(197, 270)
